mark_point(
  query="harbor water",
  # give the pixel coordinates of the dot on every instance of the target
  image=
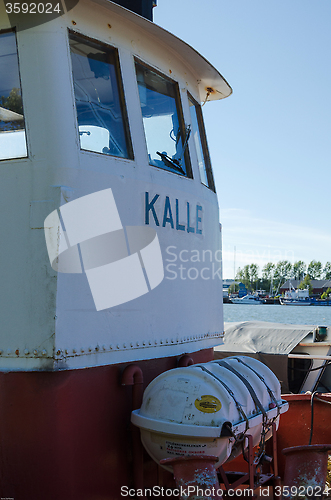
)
(295, 315)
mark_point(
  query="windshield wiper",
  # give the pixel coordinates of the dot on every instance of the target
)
(171, 162)
(176, 161)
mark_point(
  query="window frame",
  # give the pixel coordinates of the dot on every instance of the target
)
(299, 365)
(26, 156)
(180, 113)
(99, 45)
(204, 143)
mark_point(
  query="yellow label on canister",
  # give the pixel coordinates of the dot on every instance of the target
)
(208, 404)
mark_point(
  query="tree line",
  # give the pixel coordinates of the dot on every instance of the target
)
(13, 103)
(273, 276)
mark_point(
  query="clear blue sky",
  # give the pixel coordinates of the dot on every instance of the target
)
(270, 141)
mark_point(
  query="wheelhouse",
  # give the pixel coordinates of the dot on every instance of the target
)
(99, 98)
(111, 253)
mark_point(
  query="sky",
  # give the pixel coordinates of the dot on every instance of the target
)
(269, 141)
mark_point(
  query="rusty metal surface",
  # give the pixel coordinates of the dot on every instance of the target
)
(295, 425)
(196, 476)
(306, 466)
(67, 434)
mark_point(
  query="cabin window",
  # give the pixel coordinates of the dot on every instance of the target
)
(298, 370)
(166, 135)
(101, 112)
(12, 128)
(200, 142)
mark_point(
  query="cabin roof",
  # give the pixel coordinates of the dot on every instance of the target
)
(263, 337)
(316, 284)
(212, 85)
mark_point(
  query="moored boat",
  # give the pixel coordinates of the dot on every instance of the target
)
(300, 356)
(104, 164)
(104, 169)
(247, 299)
(296, 297)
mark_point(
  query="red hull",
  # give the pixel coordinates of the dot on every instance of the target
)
(294, 428)
(67, 434)
(295, 425)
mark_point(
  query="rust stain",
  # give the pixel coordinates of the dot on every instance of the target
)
(210, 90)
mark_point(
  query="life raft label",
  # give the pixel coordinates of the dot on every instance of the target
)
(208, 404)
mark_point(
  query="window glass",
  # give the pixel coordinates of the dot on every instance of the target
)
(101, 113)
(12, 129)
(200, 143)
(165, 132)
(297, 373)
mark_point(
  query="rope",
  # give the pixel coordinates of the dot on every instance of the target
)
(312, 416)
(270, 392)
(256, 400)
(323, 400)
(238, 405)
(266, 424)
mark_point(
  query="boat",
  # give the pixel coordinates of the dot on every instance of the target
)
(247, 299)
(296, 297)
(106, 188)
(110, 262)
(300, 356)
